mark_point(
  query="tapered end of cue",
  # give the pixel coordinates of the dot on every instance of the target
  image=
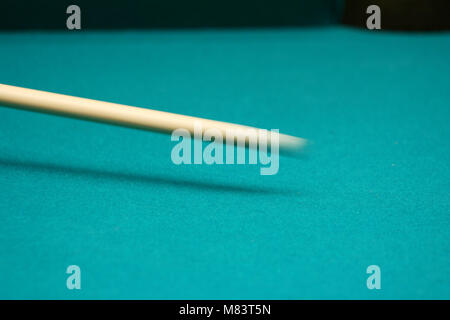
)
(294, 146)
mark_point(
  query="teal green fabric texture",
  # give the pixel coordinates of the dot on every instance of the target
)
(374, 188)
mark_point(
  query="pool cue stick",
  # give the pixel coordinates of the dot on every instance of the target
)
(123, 115)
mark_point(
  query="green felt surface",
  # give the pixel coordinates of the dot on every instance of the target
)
(373, 190)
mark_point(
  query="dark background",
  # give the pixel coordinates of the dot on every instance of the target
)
(137, 14)
(106, 14)
(401, 14)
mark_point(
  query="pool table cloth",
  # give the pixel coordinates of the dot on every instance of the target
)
(374, 188)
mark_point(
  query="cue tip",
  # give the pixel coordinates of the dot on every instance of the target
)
(291, 145)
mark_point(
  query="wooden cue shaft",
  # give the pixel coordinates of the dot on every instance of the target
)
(122, 115)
